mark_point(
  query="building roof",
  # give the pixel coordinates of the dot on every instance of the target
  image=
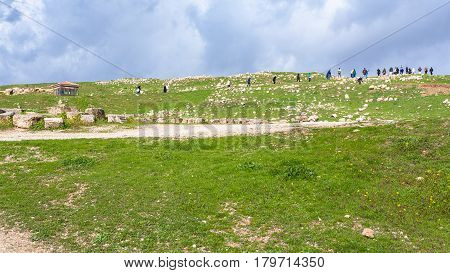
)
(67, 84)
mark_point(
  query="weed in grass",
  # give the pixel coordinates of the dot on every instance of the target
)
(6, 124)
(410, 143)
(293, 169)
(250, 166)
(38, 126)
(78, 163)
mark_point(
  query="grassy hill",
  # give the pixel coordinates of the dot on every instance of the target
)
(396, 98)
(305, 191)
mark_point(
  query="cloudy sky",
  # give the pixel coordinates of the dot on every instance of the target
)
(172, 38)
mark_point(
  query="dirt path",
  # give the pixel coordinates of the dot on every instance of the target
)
(173, 131)
(16, 241)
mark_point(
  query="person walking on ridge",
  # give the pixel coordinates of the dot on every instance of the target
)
(138, 90)
(328, 75)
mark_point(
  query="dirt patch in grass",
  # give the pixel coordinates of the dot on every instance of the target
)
(243, 231)
(30, 153)
(73, 196)
(356, 225)
(14, 240)
(435, 89)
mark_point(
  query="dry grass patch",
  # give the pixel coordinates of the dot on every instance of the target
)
(435, 89)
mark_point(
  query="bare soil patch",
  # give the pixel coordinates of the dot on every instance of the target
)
(435, 89)
(18, 241)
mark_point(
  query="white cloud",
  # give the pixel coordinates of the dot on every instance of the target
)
(167, 38)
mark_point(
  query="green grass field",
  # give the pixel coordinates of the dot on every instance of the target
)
(305, 191)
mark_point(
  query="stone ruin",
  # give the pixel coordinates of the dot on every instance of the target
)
(27, 90)
(53, 119)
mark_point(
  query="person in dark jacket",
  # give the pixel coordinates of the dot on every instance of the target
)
(274, 80)
(138, 90)
(249, 81)
(329, 75)
(379, 72)
(431, 71)
(165, 88)
(298, 77)
(384, 72)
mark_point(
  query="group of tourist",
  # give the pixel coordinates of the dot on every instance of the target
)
(353, 74)
(384, 72)
(406, 71)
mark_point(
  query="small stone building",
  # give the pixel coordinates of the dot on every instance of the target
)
(66, 89)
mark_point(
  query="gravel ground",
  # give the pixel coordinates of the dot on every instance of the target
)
(173, 131)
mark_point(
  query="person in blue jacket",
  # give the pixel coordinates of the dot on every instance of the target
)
(329, 75)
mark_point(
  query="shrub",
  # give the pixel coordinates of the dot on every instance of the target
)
(78, 163)
(249, 166)
(6, 124)
(294, 169)
(40, 125)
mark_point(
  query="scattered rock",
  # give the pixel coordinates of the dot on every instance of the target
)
(24, 90)
(347, 216)
(198, 120)
(313, 118)
(87, 119)
(73, 115)
(255, 121)
(160, 120)
(6, 116)
(9, 92)
(98, 113)
(302, 118)
(60, 109)
(53, 123)
(176, 120)
(11, 110)
(226, 121)
(369, 233)
(117, 118)
(26, 121)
